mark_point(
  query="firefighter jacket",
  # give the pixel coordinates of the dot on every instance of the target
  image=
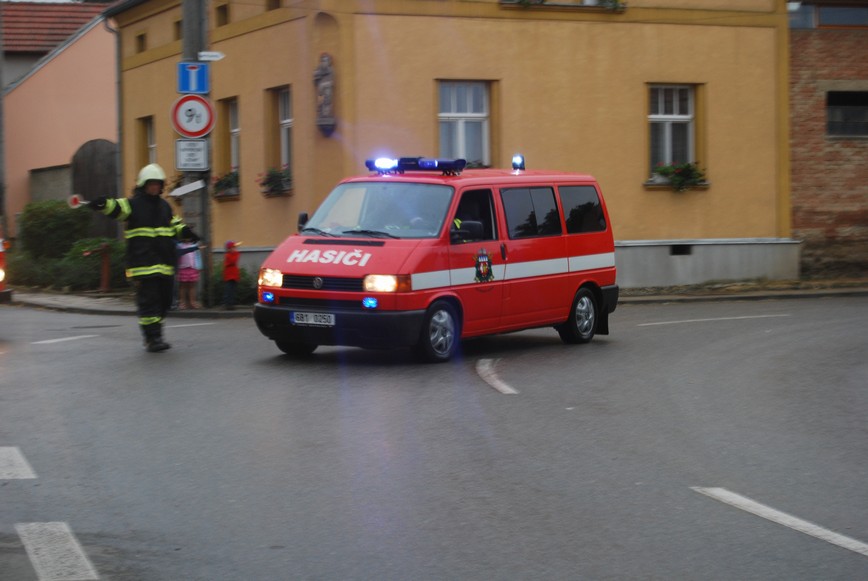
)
(151, 233)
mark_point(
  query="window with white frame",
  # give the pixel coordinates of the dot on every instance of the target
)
(151, 140)
(464, 121)
(234, 134)
(285, 122)
(672, 124)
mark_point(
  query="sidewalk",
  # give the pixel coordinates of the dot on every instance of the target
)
(123, 303)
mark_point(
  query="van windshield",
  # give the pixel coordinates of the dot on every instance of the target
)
(382, 210)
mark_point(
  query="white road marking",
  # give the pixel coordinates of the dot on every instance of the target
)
(485, 369)
(188, 325)
(13, 464)
(711, 320)
(782, 518)
(75, 338)
(55, 552)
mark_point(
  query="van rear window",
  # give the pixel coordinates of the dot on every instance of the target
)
(531, 212)
(582, 209)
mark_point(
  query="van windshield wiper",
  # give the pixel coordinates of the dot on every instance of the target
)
(374, 233)
(318, 231)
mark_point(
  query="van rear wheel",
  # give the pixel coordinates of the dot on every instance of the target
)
(582, 322)
(295, 348)
(440, 334)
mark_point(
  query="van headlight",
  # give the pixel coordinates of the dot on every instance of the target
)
(386, 283)
(270, 277)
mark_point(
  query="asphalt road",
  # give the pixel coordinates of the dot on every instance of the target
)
(638, 456)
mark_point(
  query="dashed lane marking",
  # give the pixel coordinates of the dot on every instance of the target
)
(712, 320)
(485, 369)
(61, 340)
(55, 552)
(782, 518)
(13, 464)
(188, 325)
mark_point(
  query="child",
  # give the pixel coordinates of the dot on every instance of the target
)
(231, 274)
(189, 264)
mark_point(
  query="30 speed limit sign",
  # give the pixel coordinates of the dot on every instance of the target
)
(192, 116)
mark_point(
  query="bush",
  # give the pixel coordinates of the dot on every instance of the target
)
(74, 270)
(50, 228)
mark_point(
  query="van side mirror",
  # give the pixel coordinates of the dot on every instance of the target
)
(470, 230)
(302, 220)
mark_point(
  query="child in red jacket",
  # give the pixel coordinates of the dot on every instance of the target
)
(231, 274)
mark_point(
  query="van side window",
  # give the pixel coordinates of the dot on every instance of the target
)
(582, 209)
(476, 206)
(531, 212)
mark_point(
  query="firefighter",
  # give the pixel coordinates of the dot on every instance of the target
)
(151, 233)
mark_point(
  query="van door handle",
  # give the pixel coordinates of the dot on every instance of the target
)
(503, 250)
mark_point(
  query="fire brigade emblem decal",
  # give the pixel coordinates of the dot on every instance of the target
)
(483, 267)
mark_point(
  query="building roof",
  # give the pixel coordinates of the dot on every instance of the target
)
(38, 27)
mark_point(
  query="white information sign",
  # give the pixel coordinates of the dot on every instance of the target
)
(191, 155)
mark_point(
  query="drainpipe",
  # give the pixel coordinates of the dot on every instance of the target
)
(119, 109)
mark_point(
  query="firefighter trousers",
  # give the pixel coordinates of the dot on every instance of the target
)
(153, 301)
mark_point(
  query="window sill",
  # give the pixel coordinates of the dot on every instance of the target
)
(572, 4)
(229, 195)
(658, 186)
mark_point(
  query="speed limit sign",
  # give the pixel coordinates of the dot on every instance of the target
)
(192, 116)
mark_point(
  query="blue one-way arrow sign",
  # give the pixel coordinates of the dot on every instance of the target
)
(194, 78)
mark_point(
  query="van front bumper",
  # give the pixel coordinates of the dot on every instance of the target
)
(368, 329)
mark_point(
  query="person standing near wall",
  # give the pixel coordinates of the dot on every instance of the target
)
(151, 232)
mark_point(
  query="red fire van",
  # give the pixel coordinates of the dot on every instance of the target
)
(423, 253)
(5, 294)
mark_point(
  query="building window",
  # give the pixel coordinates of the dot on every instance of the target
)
(228, 136)
(178, 29)
(146, 141)
(141, 42)
(234, 134)
(464, 121)
(285, 122)
(847, 112)
(272, 4)
(810, 16)
(221, 15)
(671, 123)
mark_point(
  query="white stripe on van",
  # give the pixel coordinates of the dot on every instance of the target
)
(512, 271)
(536, 268)
(592, 261)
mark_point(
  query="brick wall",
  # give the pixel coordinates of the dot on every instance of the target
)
(829, 174)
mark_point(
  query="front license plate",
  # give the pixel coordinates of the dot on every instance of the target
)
(314, 319)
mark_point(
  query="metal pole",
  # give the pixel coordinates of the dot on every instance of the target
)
(194, 31)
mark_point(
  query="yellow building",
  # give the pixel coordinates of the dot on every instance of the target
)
(596, 86)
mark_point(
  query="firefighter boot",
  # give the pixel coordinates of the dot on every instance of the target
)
(154, 339)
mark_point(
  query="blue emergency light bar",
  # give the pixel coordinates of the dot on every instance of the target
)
(386, 165)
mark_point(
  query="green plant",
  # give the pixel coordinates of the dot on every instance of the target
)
(50, 228)
(227, 181)
(79, 269)
(681, 176)
(275, 181)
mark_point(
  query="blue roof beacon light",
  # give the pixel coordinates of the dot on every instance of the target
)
(445, 166)
(518, 161)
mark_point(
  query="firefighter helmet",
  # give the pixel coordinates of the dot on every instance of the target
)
(150, 172)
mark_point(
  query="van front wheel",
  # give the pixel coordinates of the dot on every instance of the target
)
(440, 333)
(582, 322)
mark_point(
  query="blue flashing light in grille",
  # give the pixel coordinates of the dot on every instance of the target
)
(370, 302)
(268, 297)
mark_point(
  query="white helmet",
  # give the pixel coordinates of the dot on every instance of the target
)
(151, 172)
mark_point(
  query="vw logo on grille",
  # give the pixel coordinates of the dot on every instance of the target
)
(317, 282)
